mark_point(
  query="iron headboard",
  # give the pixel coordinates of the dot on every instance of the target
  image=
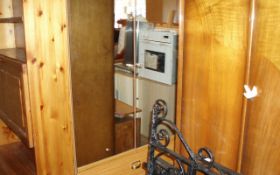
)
(202, 162)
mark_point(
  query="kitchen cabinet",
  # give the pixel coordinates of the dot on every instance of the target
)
(124, 133)
(14, 102)
(124, 125)
(124, 86)
(147, 92)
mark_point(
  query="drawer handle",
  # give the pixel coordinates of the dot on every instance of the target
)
(136, 165)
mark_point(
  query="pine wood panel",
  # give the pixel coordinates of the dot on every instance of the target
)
(91, 52)
(48, 74)
(120, 164)
(7, 38)
(214, 61)
(27, 107)
(261, 144)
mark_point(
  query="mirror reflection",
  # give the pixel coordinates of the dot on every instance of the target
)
(114, 91)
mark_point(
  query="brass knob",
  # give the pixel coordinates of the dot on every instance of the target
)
(135, 165)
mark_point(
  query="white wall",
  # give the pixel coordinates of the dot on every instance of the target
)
(124, 7)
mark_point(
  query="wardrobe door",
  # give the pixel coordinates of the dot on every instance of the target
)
(214, 60)
(261, 146)
(91, 44)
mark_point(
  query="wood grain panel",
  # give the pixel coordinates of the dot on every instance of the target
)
(7, 38)
(120, 164)
(91, 52)
(48, 74)
(261, 145)
(215, 48)
(27, 107)
(13, 99)
(180, 72)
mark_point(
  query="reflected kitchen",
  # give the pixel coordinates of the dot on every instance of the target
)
(145, 70)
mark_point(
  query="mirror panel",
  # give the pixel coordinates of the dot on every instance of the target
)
(112, 95)
(91, 55)
(156, 67)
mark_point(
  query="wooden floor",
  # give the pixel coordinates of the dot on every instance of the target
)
(16, 159)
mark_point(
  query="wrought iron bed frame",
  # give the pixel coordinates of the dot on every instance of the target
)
(203, 161)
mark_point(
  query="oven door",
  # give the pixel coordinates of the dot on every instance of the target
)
(157, 61)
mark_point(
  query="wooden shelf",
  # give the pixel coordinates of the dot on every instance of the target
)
(13, 54)
(11, 20)
(122, 109)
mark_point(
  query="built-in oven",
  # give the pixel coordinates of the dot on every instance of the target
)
(158, 55)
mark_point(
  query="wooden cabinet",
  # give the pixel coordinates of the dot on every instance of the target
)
(124, 125)
(214, 58)
(124, 133)
(261, 152)
(91, 63)
(124, 87)
(14, 103)
(224, 46)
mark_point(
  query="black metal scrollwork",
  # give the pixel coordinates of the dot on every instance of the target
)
(203, 161)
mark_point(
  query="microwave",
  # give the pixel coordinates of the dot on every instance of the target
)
(158, 55)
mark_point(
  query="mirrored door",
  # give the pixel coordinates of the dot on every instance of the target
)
(123, 58)
(155, 62)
